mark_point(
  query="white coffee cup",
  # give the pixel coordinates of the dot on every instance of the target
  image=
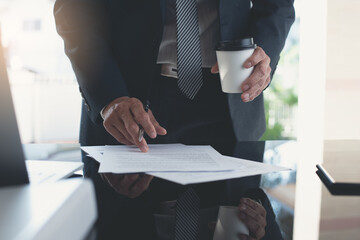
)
(231, 56)
(228, 224)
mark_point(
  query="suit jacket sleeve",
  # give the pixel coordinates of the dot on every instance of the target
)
(84, 26)
(269, 24)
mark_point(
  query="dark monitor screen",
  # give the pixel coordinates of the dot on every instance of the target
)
(12, 161)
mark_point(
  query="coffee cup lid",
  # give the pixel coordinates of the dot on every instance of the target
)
(235, 45)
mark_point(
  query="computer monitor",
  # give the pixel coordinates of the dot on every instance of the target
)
(12, 160)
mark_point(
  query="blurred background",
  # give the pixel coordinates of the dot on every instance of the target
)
(44, 88)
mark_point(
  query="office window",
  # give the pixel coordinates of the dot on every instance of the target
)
(44, 88)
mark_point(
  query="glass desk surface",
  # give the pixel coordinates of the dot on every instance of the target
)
(339, 215)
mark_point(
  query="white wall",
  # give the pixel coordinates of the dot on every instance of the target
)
(342, 106)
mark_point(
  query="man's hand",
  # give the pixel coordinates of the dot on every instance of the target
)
(253, 215)
(122, 118)
(259, 78)
(129, 185)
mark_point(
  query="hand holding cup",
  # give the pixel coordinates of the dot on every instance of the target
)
(244, 68)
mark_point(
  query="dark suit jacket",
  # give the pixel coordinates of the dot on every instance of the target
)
(113, 47)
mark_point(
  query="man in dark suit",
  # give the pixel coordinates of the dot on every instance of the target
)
(123, 53)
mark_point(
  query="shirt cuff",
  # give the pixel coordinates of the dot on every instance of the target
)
(102, 112)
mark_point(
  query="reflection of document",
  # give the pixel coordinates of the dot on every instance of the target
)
(241, 168)
(160, 157)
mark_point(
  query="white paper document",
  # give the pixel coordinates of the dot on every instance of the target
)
(177, 163)
(160, 157)
(41, 171)
(241, 168)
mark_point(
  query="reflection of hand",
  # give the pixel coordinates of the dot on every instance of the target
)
(122, 118)
(129, 185)
(253, 215)
(259, 78)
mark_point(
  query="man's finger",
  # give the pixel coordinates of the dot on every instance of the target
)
(133, 129)
(255, 85)
(254, 205)
(118, 135)
(159, 129)
(142, 145)
(254, 91)
(255, 214)
(253, 226)
(110, 126)
(119, 125)
(260, 234)
(250, 95)
(143, 118)
(255, 58)
(260, 71)
(267, 81)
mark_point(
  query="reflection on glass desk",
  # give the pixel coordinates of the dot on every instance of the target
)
(340, 216)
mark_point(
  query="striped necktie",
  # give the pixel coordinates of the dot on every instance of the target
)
(190, 77)
(187, 215)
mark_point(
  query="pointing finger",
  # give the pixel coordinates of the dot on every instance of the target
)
(255, 58)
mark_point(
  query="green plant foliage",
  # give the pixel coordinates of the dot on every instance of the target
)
(278, 95)
(274, 133)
